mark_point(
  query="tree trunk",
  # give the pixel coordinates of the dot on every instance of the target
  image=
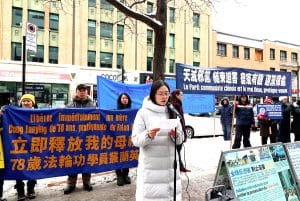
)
(160, 41)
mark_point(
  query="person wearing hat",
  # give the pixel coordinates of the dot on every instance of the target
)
(80, 100)
(284, 123)
(244, 120)
(26, 101)
(268, 127)
(226, 117)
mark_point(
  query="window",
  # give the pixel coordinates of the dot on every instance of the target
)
(171, 65)
(53, 55)
(196, 20)
(106, 30)
(294, 57)
(196, 44)
(283, 55)
(120, 32)
(120, 61)
(172, 15)
(149, 36)
(272, 69)
(36, 18)
(246, 53)
(106, 59)
(196, 63)
(235, 51)
(17, 16)
(92, 3)
(272, 54)
(172, 40)
(53, 24)
(39, 56)
(106, 5)
(91, 58)
(92, 28)
(149, 63)
(221, 51)
(258, 55)
(149, 7)
(16, 51)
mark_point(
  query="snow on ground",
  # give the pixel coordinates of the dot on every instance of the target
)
(202, 157)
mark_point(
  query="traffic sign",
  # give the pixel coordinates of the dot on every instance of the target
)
(31, 37)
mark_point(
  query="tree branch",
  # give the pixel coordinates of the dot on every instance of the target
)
(136, 15)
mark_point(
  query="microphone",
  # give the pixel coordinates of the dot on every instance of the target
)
(173, 109)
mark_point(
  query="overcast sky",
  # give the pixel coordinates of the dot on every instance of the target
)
(259, 19)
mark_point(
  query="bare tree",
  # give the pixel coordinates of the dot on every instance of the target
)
(158, 22)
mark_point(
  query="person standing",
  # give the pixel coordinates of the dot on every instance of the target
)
(1, 135)
(244, 120)
(155, 172)
(284, 123)
(176, 99)
(81, 100)
(226, 117)
(26, 101)
(268, 127)
(123, 102)
(296, 118)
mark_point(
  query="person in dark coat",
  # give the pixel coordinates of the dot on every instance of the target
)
(284, 124)
(244, 120)
(123, 102)
(268, 127)
(296, 120)
(81, 100)
(176, 99)
(226, 117)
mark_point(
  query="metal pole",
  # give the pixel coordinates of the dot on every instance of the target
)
(24, 64)
(298, 82)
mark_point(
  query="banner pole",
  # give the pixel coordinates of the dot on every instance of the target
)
(232, 121)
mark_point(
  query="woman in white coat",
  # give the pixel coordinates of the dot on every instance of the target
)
(155, 173)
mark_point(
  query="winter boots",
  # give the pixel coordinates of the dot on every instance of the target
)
(20, 190)
(30, 190)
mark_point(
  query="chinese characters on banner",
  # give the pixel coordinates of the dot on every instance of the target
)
(55, 142)
(233, 81)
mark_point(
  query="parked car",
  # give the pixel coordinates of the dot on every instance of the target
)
(202, 124)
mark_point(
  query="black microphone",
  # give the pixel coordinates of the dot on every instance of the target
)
(173, 109)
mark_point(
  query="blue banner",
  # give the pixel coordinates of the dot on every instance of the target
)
(56, 142)
(232, 81)
(273, 111)
(108, 92)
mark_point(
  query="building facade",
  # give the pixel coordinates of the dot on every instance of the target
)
(79, 40)
(242, 52)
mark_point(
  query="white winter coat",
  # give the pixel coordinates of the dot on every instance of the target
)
(155, 173)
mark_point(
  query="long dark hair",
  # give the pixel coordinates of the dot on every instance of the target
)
(155, 86)
(119, 103)
(173, 97)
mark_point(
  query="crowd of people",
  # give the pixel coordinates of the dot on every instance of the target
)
(274, 130)
(157, 174)
(158, 147)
